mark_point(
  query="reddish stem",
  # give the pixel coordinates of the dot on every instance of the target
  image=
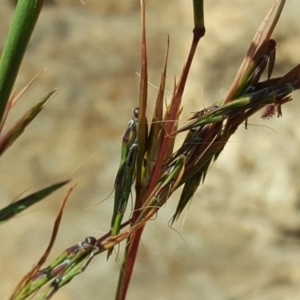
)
(132, 248)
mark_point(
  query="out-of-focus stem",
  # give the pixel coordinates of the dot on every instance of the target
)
(25, 18)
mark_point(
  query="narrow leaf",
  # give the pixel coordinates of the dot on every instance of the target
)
(16, 130)
(13, 209)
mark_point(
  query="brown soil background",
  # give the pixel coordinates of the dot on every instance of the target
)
(240, 238)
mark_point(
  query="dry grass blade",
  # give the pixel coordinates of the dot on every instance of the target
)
(249, 62)
(142, 122)
(26, 286)
(14, 99)
(7, 139)
(157, 129)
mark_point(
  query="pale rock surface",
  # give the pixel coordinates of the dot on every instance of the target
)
(240, 238)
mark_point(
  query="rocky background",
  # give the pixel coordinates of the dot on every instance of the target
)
(240, 238)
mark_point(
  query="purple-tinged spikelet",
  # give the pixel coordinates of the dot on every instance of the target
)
(269, 112)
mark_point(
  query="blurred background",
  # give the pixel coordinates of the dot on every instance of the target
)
(240, 238)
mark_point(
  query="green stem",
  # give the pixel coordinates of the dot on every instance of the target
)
(25, 18)
(199, 29)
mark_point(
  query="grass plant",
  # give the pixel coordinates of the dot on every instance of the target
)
(148, 163)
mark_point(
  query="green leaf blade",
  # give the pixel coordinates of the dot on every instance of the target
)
(15, 208)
